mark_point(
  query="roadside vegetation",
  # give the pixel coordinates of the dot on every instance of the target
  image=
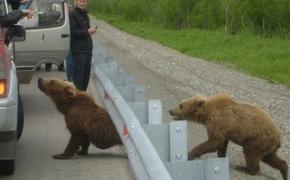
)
(251, 36)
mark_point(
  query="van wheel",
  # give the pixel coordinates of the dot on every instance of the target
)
(7, 167)
(20, 117)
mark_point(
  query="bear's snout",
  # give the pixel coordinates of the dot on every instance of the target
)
(39, 80)
(175, 115)
(40, 83)
(171, 112)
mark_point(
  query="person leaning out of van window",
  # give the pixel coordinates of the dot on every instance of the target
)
(14, 16)
(10, 19)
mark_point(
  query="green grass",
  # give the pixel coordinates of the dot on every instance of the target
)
(267, 58)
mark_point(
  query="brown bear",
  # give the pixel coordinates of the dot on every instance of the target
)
(244, 124)
(86, 121)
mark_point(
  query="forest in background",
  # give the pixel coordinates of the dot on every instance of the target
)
(250, 36)
(262, 17)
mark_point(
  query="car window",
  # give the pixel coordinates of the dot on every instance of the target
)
(48, 13)
(2, 8)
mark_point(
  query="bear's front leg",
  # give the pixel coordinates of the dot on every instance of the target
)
(206, 147)
(222, 151)
(70, 150)
(61, 156)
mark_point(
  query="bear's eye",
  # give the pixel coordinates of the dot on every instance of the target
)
(193, 111)
(51, 83)
(180, 106)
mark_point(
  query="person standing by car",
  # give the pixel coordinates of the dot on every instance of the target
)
(81, 44)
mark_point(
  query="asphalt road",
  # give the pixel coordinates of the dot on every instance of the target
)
(45, 134)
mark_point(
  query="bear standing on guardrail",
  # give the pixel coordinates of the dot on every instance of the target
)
(244, 124)
(86, 121)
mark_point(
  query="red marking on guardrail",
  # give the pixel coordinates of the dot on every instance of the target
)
(125, 131)
(107, 96)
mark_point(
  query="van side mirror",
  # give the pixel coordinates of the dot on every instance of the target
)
(16, 33)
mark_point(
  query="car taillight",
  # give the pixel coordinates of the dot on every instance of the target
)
(3, 78)
(3, 87)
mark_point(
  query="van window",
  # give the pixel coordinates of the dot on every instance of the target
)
(49, 13)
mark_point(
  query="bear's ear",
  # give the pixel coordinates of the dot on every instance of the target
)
(70, 91)
(200, 102)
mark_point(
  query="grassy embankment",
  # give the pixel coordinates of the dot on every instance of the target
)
(267, 58)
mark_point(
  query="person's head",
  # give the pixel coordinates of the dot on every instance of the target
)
(82, 4)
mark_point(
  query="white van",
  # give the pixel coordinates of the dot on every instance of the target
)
(47, 38)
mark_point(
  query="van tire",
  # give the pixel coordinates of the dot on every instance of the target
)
(20, 117)
(7, 167)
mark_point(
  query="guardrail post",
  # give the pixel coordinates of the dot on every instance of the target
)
(139, 93)
(129, 81)
(154, 112)
(178, 141)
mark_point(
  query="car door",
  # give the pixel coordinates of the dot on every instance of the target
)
(47, 37)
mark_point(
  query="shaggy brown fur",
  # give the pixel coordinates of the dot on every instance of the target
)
(244, 124)
(86, 121)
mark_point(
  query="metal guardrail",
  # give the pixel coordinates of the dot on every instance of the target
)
(133, 135)
(156, 150)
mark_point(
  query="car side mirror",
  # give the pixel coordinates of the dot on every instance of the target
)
(16, 33)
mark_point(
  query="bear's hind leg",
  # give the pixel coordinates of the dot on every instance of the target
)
(274, 161)
(252, 160)
(84, 146)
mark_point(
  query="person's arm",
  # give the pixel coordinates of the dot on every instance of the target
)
(23, 1)
(13, 17)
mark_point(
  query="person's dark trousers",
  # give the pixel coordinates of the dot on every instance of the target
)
(61, 67)
(69, 67)
(48, 67)
(81, 69)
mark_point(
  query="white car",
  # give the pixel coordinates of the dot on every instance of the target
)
(11, 109)
(45, 39)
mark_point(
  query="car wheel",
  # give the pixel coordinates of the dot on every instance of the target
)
(7, 167)
(20, 117)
